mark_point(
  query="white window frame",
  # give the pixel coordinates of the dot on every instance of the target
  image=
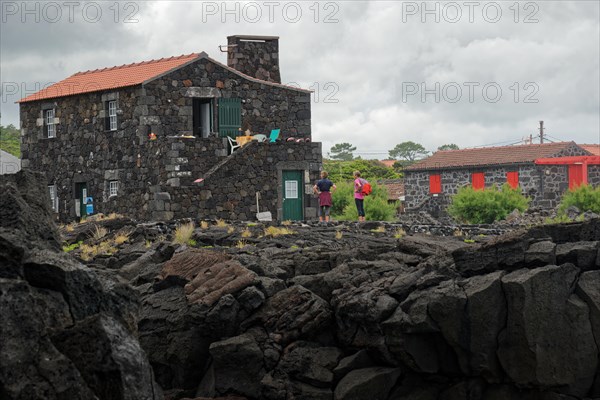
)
(112, 115)
(113, 188)
(49, 121)
(53, 197)
(291, 189)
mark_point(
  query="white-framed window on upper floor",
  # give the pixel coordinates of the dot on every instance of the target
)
(53, 197)
(111, 119)
(113, 188)
(49, 125)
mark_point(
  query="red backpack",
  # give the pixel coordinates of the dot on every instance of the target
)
(366, 188)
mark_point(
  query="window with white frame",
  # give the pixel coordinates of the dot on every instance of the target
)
(49, 125)
(112, 115)
(291, 189)
(113, 188)
(53, 198)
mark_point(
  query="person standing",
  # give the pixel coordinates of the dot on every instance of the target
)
(324, 187)
(359, 198)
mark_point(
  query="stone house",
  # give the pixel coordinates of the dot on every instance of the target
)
(93, 136)
(542, 171)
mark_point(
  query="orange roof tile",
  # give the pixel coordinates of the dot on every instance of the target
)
(592, 148)
(388, 163)
(110, 78)
(489, 156)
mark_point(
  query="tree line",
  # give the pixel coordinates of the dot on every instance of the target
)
(406, 152)
(10, 140)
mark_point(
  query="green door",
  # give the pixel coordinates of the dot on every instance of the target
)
(230, 117)
(292, 195)
(81, 196)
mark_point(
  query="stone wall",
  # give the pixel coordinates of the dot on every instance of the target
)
(166, 105)
(229, 189)
(255, 56)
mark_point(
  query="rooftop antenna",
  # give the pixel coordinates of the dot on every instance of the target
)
(541, 132)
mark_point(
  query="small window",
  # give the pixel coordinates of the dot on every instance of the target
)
(53, 198)
(291, 189)
(113, 188)
(478, 180)
(49, 126)
(435, 184)
(512, 178)
(111, 119)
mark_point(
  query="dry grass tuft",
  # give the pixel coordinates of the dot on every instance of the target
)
(241, 244)
(221, 223)
(400, 233)
(231, 230)
(339, 235)
(246, 233)
(99, 232)
(379, 229)
(274, 231)
(183, 233)
(204, 225)
(286, 223)
(121, 237)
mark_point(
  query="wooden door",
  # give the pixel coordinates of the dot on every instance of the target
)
(292, 195)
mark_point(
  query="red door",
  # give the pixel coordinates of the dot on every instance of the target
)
(512, 178)
(478, 180)
(575, 176)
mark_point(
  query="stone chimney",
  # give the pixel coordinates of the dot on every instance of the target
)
(257, 56)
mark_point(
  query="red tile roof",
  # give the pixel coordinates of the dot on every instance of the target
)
(592, 148)
(395, 188)
(388, 163)
(489, 156)
(110, 78)
(128, 75)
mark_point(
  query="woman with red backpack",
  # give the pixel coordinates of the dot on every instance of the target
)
(359, 197)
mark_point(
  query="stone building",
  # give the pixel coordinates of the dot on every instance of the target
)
(150, 139)
(542, 171)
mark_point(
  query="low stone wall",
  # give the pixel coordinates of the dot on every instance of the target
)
(229, 189)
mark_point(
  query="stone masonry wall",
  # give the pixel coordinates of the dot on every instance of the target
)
(257, 58)
(228, 190)
(166, 107)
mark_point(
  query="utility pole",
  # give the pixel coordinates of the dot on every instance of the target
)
(541, 132)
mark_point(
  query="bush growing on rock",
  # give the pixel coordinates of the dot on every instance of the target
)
(377, 207)
(486, 206)
(585, 198)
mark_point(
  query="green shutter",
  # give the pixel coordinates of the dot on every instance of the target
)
(230, 117)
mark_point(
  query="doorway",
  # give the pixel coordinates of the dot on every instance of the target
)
(80, 200)
(202, 110)
(292, 195)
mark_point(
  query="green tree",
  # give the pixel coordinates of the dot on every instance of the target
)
(10, 140)
(342, 151)
(372, 170)
(450, 146)
(408, 152)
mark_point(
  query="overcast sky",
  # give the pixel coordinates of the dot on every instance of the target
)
(384, 72)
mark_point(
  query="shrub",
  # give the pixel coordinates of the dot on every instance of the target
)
(486, 206)
(377, 207)
(585, 198)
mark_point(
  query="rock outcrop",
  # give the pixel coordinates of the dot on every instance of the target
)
(309, 312)
(67, 331)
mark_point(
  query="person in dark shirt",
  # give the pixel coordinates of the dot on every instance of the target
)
(324, 187)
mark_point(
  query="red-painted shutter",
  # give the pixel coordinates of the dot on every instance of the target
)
(575, 176)
(512, 178)
(478, 180)
(435, 184)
